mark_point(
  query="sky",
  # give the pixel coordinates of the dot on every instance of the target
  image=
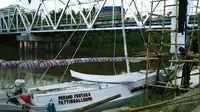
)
(50, 4)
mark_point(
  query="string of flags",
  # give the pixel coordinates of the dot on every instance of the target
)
(52, 63)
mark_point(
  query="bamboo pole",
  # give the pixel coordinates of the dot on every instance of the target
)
(166, 44)
(161, 30)
(96, 104)
(177, 61)
(148, 46)
(192, 33)
(198, 19)
(176, 53)
(158, 0)
(169, 87)
(161, 44)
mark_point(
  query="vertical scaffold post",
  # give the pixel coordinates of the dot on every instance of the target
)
(176, 49)
(148, 47)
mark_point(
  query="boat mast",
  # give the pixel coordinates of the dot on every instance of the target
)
(124, 37)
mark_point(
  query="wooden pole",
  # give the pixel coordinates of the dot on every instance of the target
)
(176, 47)
(161, 104)
(192, 33)
(147, 54)
(168, 87)
(178, 61)
(161, 44)
(198, 19)
(96, 104)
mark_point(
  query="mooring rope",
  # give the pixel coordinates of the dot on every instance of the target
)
(73, 55)
(59, 52)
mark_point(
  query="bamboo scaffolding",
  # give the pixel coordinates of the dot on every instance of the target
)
(158, 0)
(177, 61)
(148, 45)
(158, 52)
(169, 87)
(192, 33)
(164, 44)
(166, 54)
(161, 45)
(195, 58)
(193, 30)
(176, 53)
(160, 30)
(169, 5)
(157, 15)
(198, 18)
(82, 109)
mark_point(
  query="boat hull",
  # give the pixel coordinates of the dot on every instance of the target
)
(88, 93)
(79, 94)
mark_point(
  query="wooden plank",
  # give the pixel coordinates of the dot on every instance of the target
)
(177, 61)
(96, 103)
(159, 30)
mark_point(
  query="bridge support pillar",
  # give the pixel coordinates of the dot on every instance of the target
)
(31, 41)
(25, 46)
(36, 46)
(20, 46)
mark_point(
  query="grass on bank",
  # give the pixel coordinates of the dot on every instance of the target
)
(155, 95)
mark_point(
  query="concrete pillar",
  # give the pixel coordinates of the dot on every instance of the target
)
(28, 46)
(20, 46)
(36, 46)
(25, 46)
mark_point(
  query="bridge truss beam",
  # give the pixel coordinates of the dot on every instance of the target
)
(16, 19)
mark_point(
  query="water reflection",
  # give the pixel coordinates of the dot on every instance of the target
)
(8, 76)
(31, 76)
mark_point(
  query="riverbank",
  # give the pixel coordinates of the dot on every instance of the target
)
(163, 102)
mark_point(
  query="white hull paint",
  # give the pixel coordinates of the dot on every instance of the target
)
(76, 94)
(84, 93)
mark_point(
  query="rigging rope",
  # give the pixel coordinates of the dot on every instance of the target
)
(73, 56)
(102, 35)
(114, 41)
(142, 20)
(114, 53)
(59, 52)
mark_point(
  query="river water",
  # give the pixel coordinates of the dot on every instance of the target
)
(31, 76)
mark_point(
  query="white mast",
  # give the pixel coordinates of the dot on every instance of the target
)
(124, 37)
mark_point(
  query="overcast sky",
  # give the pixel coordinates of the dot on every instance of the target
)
(50, 4)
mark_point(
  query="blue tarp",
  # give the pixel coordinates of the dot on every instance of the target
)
(110, 7)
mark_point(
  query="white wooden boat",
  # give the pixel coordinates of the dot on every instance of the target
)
(72, 95)
(76, 94)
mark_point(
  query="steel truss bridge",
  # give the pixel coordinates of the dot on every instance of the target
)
(15, 19)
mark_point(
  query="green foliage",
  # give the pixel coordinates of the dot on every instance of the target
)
(103, 41)
(155, 95)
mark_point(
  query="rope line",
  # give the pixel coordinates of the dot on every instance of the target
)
(59, 53)
(73, 55)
